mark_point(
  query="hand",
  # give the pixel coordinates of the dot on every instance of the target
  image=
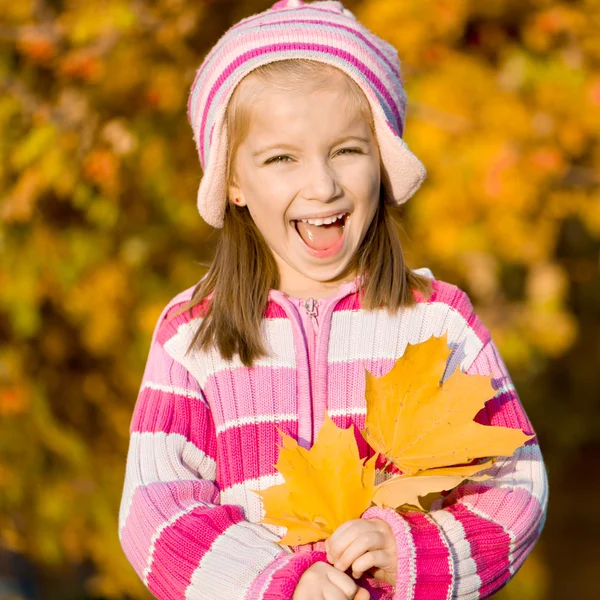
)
(364, 545)
(321, 581)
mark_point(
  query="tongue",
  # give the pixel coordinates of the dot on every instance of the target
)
(320, 237)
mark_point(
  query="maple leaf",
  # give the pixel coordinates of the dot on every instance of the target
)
(427, 429)
(324, 487)
(411, 490)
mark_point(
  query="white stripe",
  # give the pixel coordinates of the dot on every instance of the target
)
(524, 469)
(255, 420)
(157, 533)
(466, 580)
(505, 389)
(342, 412)
(243, 494)
(171, 389)
(279, 342)
(233, 562)
(377, 335)
(158, 456)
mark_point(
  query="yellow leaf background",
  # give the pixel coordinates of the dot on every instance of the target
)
(503, 109)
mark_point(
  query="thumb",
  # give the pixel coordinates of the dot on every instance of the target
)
(362, 594)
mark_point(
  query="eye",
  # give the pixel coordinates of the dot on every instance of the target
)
(278, 159)
(350, 151)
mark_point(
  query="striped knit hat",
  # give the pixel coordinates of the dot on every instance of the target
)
(320, 31)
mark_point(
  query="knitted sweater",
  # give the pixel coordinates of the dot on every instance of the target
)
(204, 435)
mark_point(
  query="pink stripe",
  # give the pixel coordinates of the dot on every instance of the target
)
(263, 580)
(244, 23)
(490, 546)
(345, 421)
(350, 302)
(261, 390)
(434, 577)
(181, 546)
(275, 14)
(354, 32)
(157, 411)
(457, 299)
(513, 508)
(286, 47)
(249, 451)
(284, 580)
(346, 381)
(506, 409)
(274, 311)
(154, 504)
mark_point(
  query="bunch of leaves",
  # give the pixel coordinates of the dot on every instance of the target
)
(424, 427)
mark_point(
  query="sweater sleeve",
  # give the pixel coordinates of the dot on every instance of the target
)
(182, 542)
(470, 545)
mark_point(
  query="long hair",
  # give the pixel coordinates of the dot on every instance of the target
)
(236, 287)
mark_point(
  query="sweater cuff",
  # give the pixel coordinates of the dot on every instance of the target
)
(423, 557)
(279, 581)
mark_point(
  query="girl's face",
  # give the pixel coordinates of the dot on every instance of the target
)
(309, 157)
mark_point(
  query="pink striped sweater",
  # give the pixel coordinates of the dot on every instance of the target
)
(204, 436)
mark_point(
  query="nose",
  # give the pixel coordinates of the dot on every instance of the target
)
(321, 182)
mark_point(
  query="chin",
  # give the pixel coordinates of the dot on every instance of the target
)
(325, 273)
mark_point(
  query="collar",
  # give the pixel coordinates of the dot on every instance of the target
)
(345, 289)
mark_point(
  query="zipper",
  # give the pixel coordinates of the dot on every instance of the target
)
(311, 307)
(311, 332)
(312, 340)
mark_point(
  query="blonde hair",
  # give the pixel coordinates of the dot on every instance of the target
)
(244, 270)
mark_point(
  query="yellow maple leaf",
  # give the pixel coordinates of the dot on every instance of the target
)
(324, 487)
(426, 428)
(411, 490)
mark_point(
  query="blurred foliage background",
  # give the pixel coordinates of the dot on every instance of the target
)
(99, 229)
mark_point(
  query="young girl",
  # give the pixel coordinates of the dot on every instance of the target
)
(298, 114)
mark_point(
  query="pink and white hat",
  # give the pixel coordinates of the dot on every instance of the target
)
(321, 31)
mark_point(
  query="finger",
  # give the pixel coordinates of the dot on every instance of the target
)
(332, 543)
(345, 525)
(333, 592)
(362, 594)
(359, 546)
(343, 582)
(344, 535)
(376, 558)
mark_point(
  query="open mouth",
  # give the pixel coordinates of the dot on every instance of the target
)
(321, 235)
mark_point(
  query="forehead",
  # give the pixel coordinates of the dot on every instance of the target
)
(332, 108)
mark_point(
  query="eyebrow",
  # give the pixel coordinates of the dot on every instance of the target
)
(289, 147)
(272, 147)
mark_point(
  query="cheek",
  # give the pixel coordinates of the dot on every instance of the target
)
(363, 179)
(269, 197)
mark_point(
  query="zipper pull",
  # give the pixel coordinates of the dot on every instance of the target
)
(311, 306)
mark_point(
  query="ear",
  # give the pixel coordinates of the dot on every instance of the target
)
(235, 195)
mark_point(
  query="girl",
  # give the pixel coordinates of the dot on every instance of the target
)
(298, 114)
